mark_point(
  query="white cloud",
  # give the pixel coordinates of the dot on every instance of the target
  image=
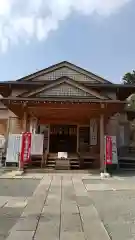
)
(5, 7)
(27, 19)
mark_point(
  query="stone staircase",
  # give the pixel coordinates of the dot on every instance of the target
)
(51, 160)
(74, 161)
(63, 164)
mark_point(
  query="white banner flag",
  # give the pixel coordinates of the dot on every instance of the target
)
(13, 148)
(37, 144)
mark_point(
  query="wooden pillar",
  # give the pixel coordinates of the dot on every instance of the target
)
(8, 127)
(77, 138)
(102, 141)
(25, 118)
(48, 147)
(33, 124)
(25, 122)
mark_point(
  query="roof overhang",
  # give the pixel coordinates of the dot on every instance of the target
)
(78, 108)
(59, 99)
(46, 82)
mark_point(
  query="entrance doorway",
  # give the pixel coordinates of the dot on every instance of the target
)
(63, 138)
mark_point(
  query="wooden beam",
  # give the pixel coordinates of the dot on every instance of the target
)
(64, 121)
(25, 117)
(65, 106)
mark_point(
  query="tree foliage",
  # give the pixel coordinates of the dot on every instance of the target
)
(129, 78)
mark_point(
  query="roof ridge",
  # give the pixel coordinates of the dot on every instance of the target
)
(40, 72)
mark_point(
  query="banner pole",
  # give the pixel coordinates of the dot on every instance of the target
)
(105, 170)
(104, 154)
(20, 162)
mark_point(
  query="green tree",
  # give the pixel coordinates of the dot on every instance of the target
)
(129, 78)
(130, 106)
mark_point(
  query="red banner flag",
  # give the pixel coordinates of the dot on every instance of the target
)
(108, 150)
(25, 148)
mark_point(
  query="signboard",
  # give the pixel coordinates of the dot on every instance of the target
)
(37, 144)
(44, 129)
(62, 155)
(13, 148)
(2, 141)
(114, 150)
(93, 132)
(110, 150)
(25, 148)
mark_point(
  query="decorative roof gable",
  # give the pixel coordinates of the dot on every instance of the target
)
(65, 88)
(65, 69)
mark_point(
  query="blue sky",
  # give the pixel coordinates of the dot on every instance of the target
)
(98, 35)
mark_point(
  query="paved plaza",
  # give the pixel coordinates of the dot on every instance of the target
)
(63, 206)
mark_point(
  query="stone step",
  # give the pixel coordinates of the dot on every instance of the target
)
(50, 165)
(51, 161)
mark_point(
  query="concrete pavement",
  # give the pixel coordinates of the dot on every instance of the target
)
(68, 206)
